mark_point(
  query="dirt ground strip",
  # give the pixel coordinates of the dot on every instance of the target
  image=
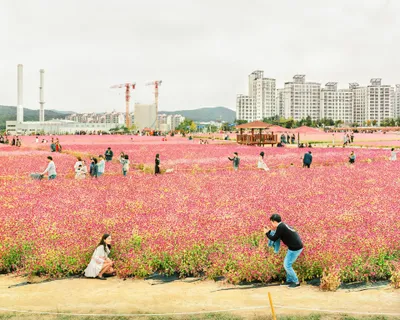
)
(116, 296)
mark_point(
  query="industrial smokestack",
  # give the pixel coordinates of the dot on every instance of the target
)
(41, 111)
(20, 108)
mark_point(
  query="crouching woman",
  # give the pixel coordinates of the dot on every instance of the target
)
(100, 264)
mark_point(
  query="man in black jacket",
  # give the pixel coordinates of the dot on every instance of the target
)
(291, 238)
(307, 160)
(109, 154)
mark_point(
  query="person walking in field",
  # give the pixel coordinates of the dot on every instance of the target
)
(235, 160)
(51, 169)
(261, 164)
(307, 160)
(157, 165)
(352, 157)
(109, 154)
(100, 264)
(393, 155)
(124, 160)
(101, 166)
(345, 140)
(291, 239)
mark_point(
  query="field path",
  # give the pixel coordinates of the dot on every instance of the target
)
(151, 296)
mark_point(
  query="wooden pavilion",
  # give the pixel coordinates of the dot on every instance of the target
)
(255, 134)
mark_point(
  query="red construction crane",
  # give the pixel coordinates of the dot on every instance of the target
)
(127, 87)
(156, 84)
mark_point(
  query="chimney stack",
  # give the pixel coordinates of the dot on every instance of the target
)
(20, 108)
(41, 112)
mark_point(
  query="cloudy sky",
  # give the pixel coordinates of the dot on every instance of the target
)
(203, 50)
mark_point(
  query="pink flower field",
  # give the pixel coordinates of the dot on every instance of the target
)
(203, 218)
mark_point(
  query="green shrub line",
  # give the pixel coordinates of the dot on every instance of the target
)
(255, 263)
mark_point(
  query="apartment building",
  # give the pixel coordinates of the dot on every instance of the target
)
(302, 99)
(169, 122)
(397, 102)
(337, 104)
(245, 109)
(260, 102)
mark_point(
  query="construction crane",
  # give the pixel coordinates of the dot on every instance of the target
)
(127, 87)
(156, 84)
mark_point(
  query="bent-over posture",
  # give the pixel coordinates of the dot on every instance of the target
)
(100, 264)
(291, 238)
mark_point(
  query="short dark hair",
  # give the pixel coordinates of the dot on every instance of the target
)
(235, 153)
(309, 152)
(50, 158)
(275, 217)
(392, 149)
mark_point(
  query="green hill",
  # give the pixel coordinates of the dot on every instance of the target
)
(207, 114)
(9, 113)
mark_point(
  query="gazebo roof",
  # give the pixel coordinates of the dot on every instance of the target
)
(276, 128)
(254, 125)
(305, 129)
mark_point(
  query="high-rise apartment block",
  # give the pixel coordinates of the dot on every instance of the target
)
(107, 117)
(170, 121)
(336, 104)
(260, 102)
(397, 102)
(300, 99)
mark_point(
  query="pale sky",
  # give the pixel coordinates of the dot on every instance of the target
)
(202, 50)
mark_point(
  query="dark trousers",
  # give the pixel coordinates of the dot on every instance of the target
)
(306, 165)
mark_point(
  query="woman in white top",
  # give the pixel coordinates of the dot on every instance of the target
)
(100, 264)
(81, 171)
(261, 164)
(393, 155)
(77, 163)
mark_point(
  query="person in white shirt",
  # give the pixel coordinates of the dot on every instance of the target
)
(77, 163)
(101, 166)
(51, 169)
(81, 171)
(261, 164)
(393, 155)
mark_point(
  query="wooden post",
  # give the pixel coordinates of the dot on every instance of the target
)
(272, 306)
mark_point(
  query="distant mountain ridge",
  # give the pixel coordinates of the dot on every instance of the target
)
(206, 114)
(9, 113)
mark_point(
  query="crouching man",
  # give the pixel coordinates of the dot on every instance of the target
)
(292, 240)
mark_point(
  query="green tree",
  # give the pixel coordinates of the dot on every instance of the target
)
(289, 123)
(308, 121)
(338, 123)
(193, 127)
(374, 122)
(184, 125)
